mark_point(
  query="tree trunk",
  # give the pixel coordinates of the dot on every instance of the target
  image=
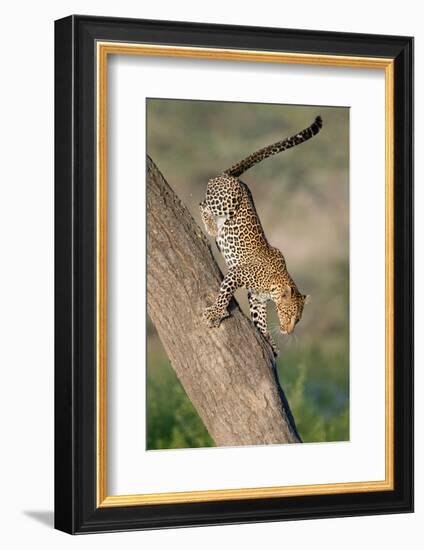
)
(229, 372)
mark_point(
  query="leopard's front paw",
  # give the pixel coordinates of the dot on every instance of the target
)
(213, 315)
(273, 345)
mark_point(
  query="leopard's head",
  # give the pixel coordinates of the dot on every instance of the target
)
(289, 303)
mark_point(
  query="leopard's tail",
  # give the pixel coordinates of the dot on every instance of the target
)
(238, 169)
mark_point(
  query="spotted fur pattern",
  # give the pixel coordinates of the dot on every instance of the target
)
(238, 169)
(229, 215)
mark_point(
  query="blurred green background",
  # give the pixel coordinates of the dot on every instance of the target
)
(302, 198)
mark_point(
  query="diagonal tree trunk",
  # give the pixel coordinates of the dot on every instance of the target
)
(228, 372)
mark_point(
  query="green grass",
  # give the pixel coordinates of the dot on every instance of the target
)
(172, 421)
(317, 387)
(314, 379)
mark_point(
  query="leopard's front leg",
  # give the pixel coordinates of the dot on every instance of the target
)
(258, 316)
(235, 278)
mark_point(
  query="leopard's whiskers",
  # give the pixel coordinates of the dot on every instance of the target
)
(275, 330)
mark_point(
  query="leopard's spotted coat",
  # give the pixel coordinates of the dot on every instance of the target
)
(229, 215)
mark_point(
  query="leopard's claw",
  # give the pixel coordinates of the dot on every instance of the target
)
(213, 316)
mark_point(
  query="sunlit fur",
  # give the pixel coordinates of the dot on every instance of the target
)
(229, 215)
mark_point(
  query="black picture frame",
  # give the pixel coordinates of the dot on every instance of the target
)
(76, 508)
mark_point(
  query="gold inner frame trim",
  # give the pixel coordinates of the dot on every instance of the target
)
(103, 50)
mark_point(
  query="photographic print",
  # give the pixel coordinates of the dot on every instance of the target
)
(225, 200)
(233, 193)
(247, 274)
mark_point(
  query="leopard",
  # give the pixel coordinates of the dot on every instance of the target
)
(229, 215)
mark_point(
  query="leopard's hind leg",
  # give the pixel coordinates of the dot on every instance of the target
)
(209, 220)
(223, 196)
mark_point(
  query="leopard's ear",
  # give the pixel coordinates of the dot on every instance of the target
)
(306, 298)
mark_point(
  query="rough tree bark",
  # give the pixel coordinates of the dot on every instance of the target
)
(227, 372)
